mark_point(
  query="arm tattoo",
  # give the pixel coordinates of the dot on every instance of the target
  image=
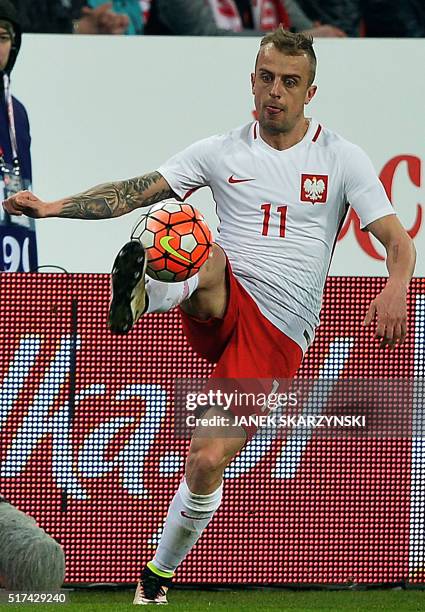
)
(115, 199)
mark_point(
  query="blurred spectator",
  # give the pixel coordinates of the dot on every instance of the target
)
(145, 6)
(131, 8)
(393, 18)
(224, 17)
(18, 249)
(70, 16)
(30, 560)
(191, 18)
(342, 14)
(267, 15)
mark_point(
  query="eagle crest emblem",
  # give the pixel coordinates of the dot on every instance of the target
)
(314, 188)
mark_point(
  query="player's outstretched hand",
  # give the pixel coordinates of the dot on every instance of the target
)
(25, 203)
(390, 310)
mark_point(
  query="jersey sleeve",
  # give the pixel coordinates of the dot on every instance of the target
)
(192, 168)
(363, 189)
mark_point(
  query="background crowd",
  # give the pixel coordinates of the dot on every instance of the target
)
(377, 18)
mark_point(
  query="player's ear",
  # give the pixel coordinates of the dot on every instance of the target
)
(252, 82)
(311, 92)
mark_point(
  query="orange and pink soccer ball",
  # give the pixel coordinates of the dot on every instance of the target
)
(177, 241)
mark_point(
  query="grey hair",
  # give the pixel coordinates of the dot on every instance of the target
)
(30, 560)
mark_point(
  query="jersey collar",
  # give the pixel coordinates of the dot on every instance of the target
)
(311, 135)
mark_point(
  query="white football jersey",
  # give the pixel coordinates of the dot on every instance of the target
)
(280, 212)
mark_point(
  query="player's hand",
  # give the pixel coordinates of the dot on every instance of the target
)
(102, 20)
(326, 31)
(25, 203)
(390, 310)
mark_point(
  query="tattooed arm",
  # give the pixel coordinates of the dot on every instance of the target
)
(101, 202)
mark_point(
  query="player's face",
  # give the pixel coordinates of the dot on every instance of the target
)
(5, 47)
(281, 89)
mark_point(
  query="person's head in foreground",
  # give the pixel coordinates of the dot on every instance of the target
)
(10, 36)
(30, 560)
(282, 83)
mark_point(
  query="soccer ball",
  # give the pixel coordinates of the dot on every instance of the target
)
(177, 241)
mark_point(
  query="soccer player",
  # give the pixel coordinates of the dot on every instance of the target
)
(282, 185)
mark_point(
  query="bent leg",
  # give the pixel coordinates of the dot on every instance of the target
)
(203, 295)
(210, 298)
(134, 294)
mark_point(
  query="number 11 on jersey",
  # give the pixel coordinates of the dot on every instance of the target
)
(267, 209)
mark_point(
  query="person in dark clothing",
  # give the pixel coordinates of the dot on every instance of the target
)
(394, 19)
(343, 14)
(18, 249)
(69, 16)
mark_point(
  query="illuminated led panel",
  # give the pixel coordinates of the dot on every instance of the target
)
(87, 446)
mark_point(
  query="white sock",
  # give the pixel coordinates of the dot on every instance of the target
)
(165, 296)
(187, 518)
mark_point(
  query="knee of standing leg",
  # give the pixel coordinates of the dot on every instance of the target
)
(206, 460)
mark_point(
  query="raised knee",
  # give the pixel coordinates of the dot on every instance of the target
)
(213, 270)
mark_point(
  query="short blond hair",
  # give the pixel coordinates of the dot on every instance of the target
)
(292, 43)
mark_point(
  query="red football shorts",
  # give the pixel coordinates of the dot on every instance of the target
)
(243, 344)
